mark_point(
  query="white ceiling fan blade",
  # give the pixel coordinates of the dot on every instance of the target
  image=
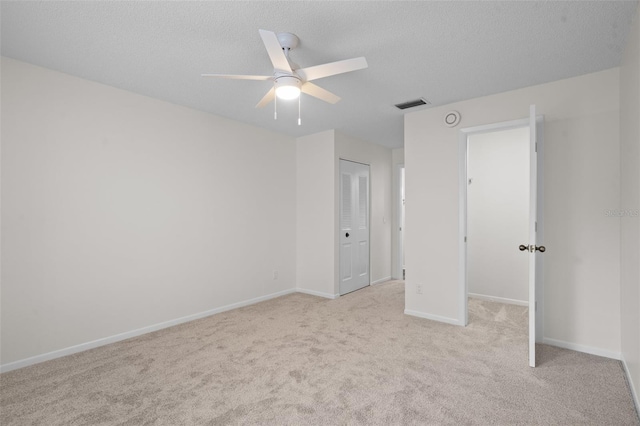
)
(319, 92)
(240, 77)
(271, 94)
(332, 68)
(277, 56)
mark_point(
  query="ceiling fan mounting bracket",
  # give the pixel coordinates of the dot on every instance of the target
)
(288, 40)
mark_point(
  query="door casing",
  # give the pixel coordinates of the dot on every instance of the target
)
(463, 153)
(399, 230)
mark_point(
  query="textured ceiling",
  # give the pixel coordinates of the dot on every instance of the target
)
(443, 51)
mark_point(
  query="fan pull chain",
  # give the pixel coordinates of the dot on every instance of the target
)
(275, 108)
(299, 120)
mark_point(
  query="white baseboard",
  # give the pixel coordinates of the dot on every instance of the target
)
(381, 280)
(582, 348)
(432, 317)
(317, 293)
(134, 333)
(499, 299)
(634, 393)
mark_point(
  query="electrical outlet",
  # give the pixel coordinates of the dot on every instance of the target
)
(419, 288)
(275, 275)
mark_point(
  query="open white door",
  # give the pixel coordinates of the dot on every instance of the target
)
(532, 248)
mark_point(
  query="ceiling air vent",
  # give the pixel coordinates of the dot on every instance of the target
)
(411, 104)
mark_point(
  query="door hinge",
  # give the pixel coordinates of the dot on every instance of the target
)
(536, 146)
(465, 239)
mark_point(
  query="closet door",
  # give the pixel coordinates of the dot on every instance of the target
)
(354, 226)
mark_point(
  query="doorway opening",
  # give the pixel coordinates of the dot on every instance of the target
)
(498, 215)
(501, 226)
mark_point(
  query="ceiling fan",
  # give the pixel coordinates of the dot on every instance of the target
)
(288, 78)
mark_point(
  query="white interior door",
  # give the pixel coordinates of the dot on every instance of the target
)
(354, 226)
(532, 248)
(401, 231)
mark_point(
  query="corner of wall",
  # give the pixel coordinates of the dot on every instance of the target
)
(315, 213)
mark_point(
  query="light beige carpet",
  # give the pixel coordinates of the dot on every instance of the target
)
(303, 360)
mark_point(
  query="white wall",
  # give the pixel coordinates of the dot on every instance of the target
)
(120, 211)
(630, 202)
(498, 215)
(318, 168)
(315, 198)
(397, 159)
(379, 160)
(582, 268)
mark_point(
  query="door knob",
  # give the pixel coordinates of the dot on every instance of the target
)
(542, 249)
(347, 235)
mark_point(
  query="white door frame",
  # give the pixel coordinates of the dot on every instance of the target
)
(399, 224)
(463, 152)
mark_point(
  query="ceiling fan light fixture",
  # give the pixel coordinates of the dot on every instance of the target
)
(288, 87)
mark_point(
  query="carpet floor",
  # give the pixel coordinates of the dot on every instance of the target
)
(304, 360)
